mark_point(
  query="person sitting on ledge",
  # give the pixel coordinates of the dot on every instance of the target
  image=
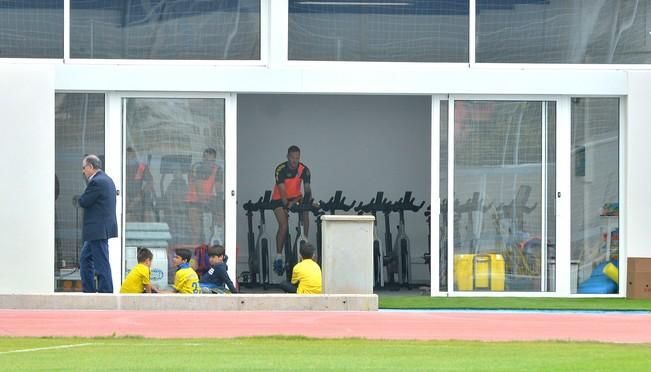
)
(185, 279)
(306, 276)
(216, 278)
(139, 278)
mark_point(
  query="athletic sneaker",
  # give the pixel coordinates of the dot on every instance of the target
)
(278, 266)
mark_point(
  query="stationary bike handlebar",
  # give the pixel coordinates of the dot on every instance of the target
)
(336, 203)
(305, 207)
(377, 204)
(369, 207)
(406, 203)
(261, 204)
(250, 206)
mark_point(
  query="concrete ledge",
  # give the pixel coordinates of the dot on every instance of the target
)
(241, 302)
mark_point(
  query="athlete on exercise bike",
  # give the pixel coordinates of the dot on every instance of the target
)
(287, 192)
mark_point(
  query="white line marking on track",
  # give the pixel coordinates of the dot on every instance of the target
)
(45, 348)
(93, 344)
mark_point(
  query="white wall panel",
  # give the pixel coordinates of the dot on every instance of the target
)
(27, 164)
(354, 78)
(637, 175)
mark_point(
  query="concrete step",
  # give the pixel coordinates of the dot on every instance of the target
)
(227, 302)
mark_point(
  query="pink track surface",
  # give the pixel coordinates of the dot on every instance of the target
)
(486, 326)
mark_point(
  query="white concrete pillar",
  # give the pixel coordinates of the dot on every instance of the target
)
(347, 249)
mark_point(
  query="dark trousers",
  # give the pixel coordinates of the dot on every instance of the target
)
(94, 260)
(288, 287)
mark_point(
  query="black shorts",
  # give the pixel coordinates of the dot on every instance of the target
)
(279, 203)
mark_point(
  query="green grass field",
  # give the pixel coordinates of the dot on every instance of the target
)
(298, 353)
(521, 303)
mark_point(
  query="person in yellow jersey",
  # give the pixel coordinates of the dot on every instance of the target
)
(306, 276)
(185, 279)
(139, 278)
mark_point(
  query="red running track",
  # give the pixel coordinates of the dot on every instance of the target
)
(485, 326)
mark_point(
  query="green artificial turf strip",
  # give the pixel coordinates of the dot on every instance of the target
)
(299, 353)
(519, 303)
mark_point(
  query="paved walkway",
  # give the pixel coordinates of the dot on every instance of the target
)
(491, 326)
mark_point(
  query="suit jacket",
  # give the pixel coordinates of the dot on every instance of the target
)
(98, 201)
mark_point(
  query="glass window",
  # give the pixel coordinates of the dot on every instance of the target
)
(595, 193)
(31, 29)
(159, 29)
(550, 174)
(499, 190)
(174, 179)
(79, 130)
(443, 194)
(564, 31)
(379, 30)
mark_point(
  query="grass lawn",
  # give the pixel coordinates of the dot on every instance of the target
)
(298, 353)
(427, 302)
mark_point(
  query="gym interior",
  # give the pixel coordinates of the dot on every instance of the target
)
(359, 145)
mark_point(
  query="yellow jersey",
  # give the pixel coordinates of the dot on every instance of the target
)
(307, 274)
(186, 280)
(137, 279)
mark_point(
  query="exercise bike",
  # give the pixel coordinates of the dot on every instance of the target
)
(388, 259)
(373, 207)
(334, 204)
(258, 249)
(427, 257)
(292, 252)
(262, 244)
(402, 252)
(250, 276)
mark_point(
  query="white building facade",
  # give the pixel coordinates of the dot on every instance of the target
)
(531, 115)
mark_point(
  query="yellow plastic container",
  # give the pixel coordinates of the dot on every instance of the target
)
(612, 272)
(479, 272)
(489, 272)
(463, 271)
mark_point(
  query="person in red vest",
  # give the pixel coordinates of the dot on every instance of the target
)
(204, 184)
(139, 185)
(287, 191)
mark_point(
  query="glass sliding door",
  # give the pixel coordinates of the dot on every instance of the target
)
(79, 130)
(595, 195)
(443, 195)
(174, 151)
(503, 231)
(550, 199)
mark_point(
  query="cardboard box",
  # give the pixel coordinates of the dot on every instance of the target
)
(638, 264)
(638, 278)
(638, 285)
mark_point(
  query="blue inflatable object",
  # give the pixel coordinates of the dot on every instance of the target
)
(598, 283)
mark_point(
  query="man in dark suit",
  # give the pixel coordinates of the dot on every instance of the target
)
(100, 224)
